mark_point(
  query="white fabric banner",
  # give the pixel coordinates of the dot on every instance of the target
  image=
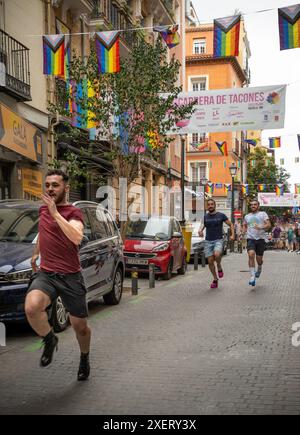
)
(272, 200)
(233, 109)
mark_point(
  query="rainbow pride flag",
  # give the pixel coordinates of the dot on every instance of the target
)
(289, 27)
(108, 51)
(262, 187)
(245, 189)
(274, 142)
(297, 188)
(227, 36)
(209, 188)
(253, 142)
(62, 29)
(279, 189)
(227, 187)
(222, 146)
(169, 34)
(54, 55)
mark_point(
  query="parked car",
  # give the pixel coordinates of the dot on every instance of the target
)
(101, 258)
(199, 242)
(157, 240)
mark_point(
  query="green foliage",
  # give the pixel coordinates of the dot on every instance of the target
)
(265, 171)
(133, 101)
(75, 166)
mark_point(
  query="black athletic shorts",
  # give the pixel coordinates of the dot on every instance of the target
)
(259, 246)
(69, 286)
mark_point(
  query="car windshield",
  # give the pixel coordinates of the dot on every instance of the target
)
(154, 228)
(18, 225)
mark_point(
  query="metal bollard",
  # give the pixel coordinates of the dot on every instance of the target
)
(203, 259)
(196, 259)
(134, 281)
(151, 275)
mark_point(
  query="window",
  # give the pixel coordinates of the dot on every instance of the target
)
(198, 137)
(199, 46)
(111, 225)
(296, 159)
(198, 171)
(199, 84)
(282, 162)
(99, 223)
(87, 231)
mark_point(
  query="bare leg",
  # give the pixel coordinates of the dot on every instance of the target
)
(83, 333)
(35, 308)
(212, 267)
(218, 258)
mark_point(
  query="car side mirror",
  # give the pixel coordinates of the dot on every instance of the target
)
(177, 235)
(84, 242)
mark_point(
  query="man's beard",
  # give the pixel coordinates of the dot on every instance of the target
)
(60, 198)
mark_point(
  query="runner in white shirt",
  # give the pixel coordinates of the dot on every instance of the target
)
(255, 225)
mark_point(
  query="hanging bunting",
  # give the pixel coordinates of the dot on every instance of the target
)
(227, 36)
(61, 28)
(289, 27)
(108, 51)
(209, 188)
(279, 189)
(54, 55)
(222, 146)
(169, 34)
(262, 187)
(297, 188)
(227, 187)
(245, 189)
(274, 142)
(253, 142)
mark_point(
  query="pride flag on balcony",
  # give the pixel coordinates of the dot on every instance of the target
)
(54, 55)
(274, 142)
(289, 27)
(169, 34)
(279, 189)
(222, 146)
(227, 36)
(108, 51)
(253, 142)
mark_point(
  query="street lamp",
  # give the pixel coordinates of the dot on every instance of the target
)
(233, 171)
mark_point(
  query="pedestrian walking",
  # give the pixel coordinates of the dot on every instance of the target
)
(291, 238)
(59, 274)
(255, 225)
(213, 248)
(276, 235)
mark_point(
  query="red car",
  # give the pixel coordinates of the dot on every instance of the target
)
(158, 240)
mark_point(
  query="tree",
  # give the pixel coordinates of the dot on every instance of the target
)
(262, 169)
(133, 110)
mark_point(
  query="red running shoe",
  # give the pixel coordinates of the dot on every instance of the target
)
(214, 284)
(220, 273)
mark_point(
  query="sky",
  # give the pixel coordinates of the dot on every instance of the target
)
(268, 65)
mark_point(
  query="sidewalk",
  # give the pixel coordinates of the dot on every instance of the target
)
(180, 348)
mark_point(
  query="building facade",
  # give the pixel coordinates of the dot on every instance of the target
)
(204, 72)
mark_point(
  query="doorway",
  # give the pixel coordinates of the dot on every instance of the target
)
(5, 174)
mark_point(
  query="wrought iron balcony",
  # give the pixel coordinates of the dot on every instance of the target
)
(14, 68)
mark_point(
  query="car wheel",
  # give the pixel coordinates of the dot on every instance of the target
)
(183, 268)
(59, 318)
(114, 296)
(168, 274)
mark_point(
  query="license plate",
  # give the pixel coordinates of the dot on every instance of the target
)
(136, 261)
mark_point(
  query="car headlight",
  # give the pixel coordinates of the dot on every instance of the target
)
(162, 247)
(18, 277)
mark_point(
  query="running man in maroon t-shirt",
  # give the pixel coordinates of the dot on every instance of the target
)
(60, 233)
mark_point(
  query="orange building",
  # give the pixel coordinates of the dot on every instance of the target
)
(204, 72)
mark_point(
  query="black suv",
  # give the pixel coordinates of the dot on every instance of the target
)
(101, 256)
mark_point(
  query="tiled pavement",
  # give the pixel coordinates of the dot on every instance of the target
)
(180, 348)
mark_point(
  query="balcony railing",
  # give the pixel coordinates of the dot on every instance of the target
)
(109, 12)
(14, 58)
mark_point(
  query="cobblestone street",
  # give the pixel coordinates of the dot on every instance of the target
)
(180, 348)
